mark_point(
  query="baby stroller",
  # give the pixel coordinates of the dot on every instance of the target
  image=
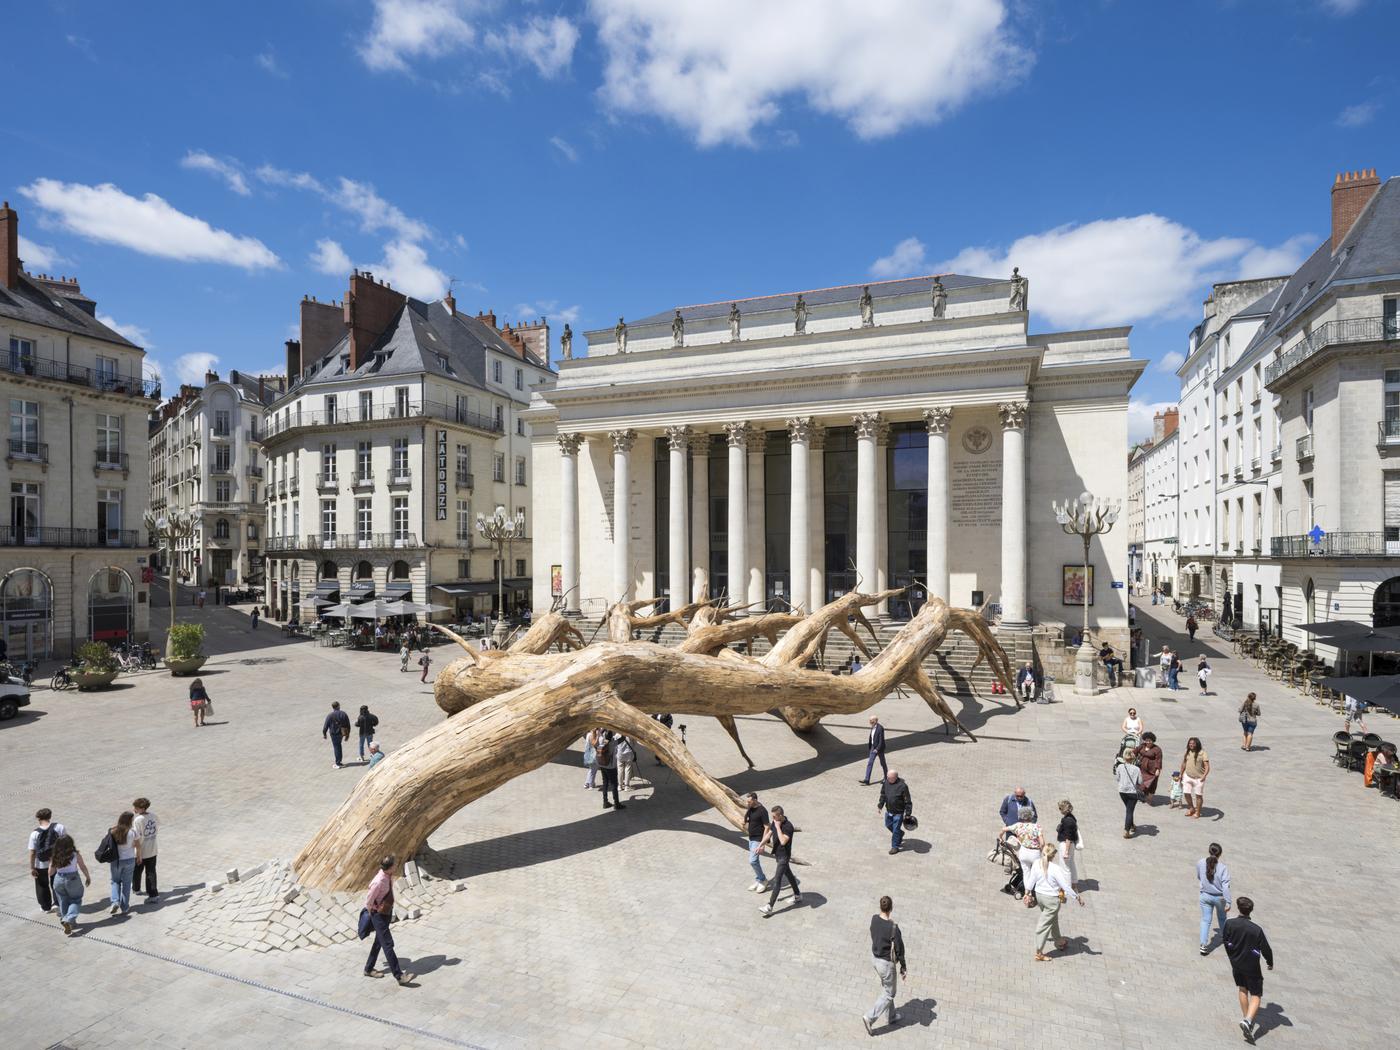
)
(1004, 850)
(1130, 743)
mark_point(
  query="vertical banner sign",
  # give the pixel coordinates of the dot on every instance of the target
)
(442, 475)
(556, 581)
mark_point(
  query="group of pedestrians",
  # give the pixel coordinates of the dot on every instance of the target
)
(614, 756)
(61, 874)
(1048, 875)
(336, 728)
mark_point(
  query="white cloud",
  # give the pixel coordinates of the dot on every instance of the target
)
(267, 61)
(1140, 415)
(404, 29)
(329, 257)
(1343, 7)
(907, 258)
(198, 160)
(146, 224)
(138, 335)
(565, 149)
(1359, 115)
(297, 180)
(405, 266)
(551, 309)
(83, 45)
(359, 199)
(1278, 261)
(39, 258)
(546, 43)
(190, 368)
(721, 68)
(1171, 361)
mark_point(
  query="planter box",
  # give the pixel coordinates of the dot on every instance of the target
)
(94, 680)
(186, 667)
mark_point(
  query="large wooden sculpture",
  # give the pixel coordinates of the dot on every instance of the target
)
(513, 710)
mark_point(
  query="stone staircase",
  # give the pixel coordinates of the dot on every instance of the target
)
(949, 666)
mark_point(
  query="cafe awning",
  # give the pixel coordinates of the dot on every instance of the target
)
(362, 590)
(461, 587)
(398, 590)
(327, 588)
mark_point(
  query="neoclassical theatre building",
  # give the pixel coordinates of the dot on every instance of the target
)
(785, 449)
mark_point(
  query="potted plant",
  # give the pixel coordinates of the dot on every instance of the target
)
(186, 648)
(97, 667)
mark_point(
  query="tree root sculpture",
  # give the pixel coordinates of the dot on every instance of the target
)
(517, 710)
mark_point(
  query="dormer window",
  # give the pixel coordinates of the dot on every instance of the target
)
(345, 362)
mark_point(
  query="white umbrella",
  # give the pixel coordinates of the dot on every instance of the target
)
(373, 610)
(314, 602)
(421, 607)
(343, 609)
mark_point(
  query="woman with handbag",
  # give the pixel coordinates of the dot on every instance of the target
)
(590, 759)
(1047, 888)
(1149, 763)
(1068, 834)
(887, 952)
(1249, 720)
(200, 704)
(1029, 839)
(1129, 787)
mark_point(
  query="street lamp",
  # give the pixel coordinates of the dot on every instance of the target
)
(166, 531)
(500, 530)
(1086, 518)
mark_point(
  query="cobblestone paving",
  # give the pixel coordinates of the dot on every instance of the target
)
(634, 929)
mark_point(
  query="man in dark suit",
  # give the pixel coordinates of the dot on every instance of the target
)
(877, 749)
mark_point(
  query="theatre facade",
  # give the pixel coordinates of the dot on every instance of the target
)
(785, 449)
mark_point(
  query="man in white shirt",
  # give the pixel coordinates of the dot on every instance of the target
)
(145, 827)
(41, 841)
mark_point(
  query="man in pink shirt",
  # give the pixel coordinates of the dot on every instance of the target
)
(380, 905)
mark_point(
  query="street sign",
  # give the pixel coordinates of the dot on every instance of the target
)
(1117, 585)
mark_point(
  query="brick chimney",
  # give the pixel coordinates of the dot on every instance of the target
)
(322, 326)
(210, 376)
(450, 302)
(9, 246)
(293, 359)
(370, 307)
(1351, 192)
(535, 336)
(1170, 418)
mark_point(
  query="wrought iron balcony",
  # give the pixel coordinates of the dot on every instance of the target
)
(327, 482)
(220, 433)
(1304, 447)
(1276, 455)
(465, 480)
(24, 536)
(1333, 333)
(363, 479)
(255, 472)
(341, 541)
(110, 460)
(400, 476)
(23, 448)
(354, 415)
(1388, 432)
(109, 382)
(1335, 545)
(221, 468)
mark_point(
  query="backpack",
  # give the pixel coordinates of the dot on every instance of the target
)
(605, 753)
(43, 845)
(423, 660)
(106, 851)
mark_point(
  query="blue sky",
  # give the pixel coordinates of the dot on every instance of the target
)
(202, 167)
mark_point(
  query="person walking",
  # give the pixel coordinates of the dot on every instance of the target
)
(1132, 724)
(1010, 811)
(1174, 673)
(1047, 887)
(1030, 839)
(1246, 944)
(41, 845)
(1129, 787)
(887, 952)
(876, 746)
(755, 825)
(366, 724)
(124, 864)
(779, 835)
(337, 728)
(424, 661)
(626, 762)
(607, 765)
(146, 826)
(405, 654)
(1067, 833)
(895, 801)
(1149, 763)
(1195, 767)
(1214, 880)
(1249, 720)
(67, 886)
(1203, 673)
(1191, 627)
(253, 617)
(379, 903)
(200, 703)
(1164, 661)
(1354, 710)
(590, 759)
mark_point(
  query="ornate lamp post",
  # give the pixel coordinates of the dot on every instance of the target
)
(500, 530)
(166, 531)
(1086, 517)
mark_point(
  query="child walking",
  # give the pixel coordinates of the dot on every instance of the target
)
(1176, 790)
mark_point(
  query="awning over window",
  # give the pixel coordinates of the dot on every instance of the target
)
(327, 588)
(398, 590)
(513, 584)
(362, 591)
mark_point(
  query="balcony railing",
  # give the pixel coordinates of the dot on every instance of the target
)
(355, 415)
(1276, 456)
(1388, 431)
(465, 480)
(281, 487)
(220, 433)
(111, 382)
(327, 482)
(363, 479)
(341, 541)
(401, 476)
(12, 536)
(1255, 465)
(23, 448)
(1335, 545)
(109, 460)
(1333, 333)
(221, 468)
(1303, 447)
(255, 472)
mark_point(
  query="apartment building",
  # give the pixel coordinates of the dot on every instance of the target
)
(1159, 499)
(206, 458)
(1137, 522)
(72, 554)
(400, 424)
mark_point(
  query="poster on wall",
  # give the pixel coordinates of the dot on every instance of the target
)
(442, 475)
(1073, 585)
(556, 580)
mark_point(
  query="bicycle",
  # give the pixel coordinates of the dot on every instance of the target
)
(62, 679)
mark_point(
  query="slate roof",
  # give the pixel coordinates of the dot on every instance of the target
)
(423, 337)
(39, 303)
(785, 301)
(1371, 248)
(1262, 306)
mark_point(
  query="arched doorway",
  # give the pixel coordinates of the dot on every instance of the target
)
(26, 614)
(1309, 603)
(362, 586)
(1385, 605)
(111, 608)
(399, 587)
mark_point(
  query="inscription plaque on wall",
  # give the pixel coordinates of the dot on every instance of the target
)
(975, 499)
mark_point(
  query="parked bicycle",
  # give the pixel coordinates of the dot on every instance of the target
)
(20, 672)
(62, 678)
(135, 657)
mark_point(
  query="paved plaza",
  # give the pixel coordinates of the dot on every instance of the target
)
(583, 927)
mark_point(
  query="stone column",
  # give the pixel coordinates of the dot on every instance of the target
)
(622, 441)
(1014, 416)
(757, 514)
(699, 515)
(938, 420)
(738, 564)
(799, 538)
(882, 516)
(867, 426)
(568, 519)
(816, 517)
(678, 541)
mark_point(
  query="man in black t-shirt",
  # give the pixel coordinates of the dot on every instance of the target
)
(780, 832)
(1245, 944)
(755, 824)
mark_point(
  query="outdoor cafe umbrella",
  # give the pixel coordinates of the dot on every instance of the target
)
(1381, 690)
(1327, 629)
(372, 610)
(342, 610)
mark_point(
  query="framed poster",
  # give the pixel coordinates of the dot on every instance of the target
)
(556, 580)
(1072, 585)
